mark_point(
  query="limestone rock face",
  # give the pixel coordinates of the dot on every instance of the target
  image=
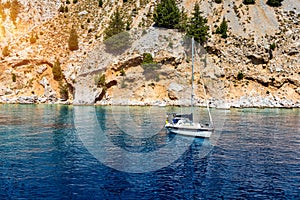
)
(256, 65)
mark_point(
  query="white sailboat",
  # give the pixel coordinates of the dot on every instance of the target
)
(184, 124)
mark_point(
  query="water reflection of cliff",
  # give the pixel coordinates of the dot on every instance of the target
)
(136, 129)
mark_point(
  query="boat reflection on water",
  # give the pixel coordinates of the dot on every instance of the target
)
(127, 146)
(138, 137)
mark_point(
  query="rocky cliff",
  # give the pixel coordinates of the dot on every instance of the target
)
(256, 65)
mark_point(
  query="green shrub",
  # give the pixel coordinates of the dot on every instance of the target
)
(68, 2)
(73, 40)
(223, 29)
(115, 26)
(127, 28)
(183, 21)
(56, 71)
(75, 1)
(274, 3)
(100, 3)
(61, 9)
(166, 14)
(197, 26)
(5, 51)
(33, 38)
(247, 2)
(63, 91)
(272, 46)
(240, 76)
(122, 72)
(147, 58)
(100, 80)
(14, 77)
(218, 1)
(14, 10)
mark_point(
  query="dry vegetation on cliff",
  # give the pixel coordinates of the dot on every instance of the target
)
(257, 64)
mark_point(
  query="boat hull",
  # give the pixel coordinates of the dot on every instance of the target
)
(199, 132)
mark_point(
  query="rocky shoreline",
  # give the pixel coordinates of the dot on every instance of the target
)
(243, 102)
(33, 100)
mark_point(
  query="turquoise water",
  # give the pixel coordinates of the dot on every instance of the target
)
(66, 152)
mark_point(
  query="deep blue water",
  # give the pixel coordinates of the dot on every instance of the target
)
(45, 155)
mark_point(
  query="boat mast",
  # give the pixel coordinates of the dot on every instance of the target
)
(192, 92)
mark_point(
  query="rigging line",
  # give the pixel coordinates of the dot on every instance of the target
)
(205, 92)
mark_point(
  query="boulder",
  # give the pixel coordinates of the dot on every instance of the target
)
(27, 99)
(44, 82)
(175, 87)
(41, 69)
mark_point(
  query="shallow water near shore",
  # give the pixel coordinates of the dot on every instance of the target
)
(60, 152)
